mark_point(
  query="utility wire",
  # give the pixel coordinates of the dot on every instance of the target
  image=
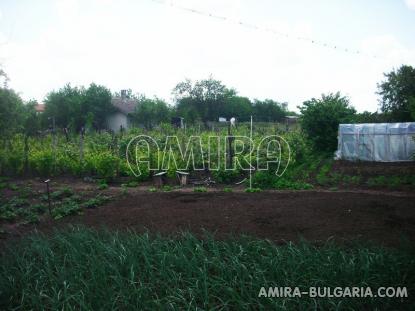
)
(269, 30)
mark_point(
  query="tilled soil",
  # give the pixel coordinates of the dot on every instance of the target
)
(384, 218)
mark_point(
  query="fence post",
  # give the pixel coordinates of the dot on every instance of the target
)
(81, 146)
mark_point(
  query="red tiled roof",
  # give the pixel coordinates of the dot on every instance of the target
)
(40, 107)
(125, 105)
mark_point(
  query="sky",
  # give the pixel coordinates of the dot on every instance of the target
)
(151, 45)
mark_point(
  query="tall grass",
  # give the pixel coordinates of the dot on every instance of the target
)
(89, 270)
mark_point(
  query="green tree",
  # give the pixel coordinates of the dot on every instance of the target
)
(11, 112)
(204, 100)
(76, 107)
(268, 111)
(320, 120)
(97, 103)
(150, 112)
(398, 94)
(65, 106)
(238, 107)
(369, 117)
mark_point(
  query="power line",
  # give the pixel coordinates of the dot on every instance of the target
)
(270, 30)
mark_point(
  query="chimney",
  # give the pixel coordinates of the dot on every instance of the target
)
(123, 94)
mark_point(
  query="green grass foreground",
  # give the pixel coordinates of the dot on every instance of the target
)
(89, 270)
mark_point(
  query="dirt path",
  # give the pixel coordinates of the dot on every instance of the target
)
(279, 216)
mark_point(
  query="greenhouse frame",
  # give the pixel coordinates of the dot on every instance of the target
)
(377, 142)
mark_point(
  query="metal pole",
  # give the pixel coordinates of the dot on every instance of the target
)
(48, 192)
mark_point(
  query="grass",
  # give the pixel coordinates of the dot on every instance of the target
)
(90, 270)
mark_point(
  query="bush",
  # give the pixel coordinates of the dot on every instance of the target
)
(321, 118)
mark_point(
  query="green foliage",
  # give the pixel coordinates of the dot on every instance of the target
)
(199, 189)
(223, 176)
(151, 112)
(398, 94)
(322, 176)
(20, 208)
(75, 107)
(227, 189)
(321, 118)
(65, 192)
(152, 189)
(65, 208)
(105, 164)
(131, 184)
(85, 269)
(11, 112)
(268, 111)
(96, 201)
(253, 190)
(391, 181)
(102, 186)
(209, 99)
(42, 162)
(283, 183)
(264, 179)
(167, 188)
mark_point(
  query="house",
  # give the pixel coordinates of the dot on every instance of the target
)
(39, 108)
(121, 117)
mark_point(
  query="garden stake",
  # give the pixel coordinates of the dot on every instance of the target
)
(47, 190)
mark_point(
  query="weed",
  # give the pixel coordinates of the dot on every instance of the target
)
(199, 189)
(167, 188)
(65, 209)
(322, 177)
(95, 202)
(62, 193)
(131, 184)
(227, 189)
(102, 186)
(253, 190)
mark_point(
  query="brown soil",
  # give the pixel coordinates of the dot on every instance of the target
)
(280, 216)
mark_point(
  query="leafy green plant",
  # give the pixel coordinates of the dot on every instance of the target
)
(292, 185)
(131, 184)
(61, 193)
(167, 188)
(227, 189)
(66, 208)
(95, 202)
(152, 189)
(102, 186)
(253, 190)
(199, 189)
(322, 176)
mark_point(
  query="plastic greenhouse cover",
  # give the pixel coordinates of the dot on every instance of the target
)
(382, 142)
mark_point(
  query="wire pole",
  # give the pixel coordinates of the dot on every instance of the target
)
(250, 158)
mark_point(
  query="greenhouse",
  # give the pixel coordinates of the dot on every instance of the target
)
(378, 142)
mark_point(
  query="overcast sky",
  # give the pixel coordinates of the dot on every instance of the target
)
(150, 46)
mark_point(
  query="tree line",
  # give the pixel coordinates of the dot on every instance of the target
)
(203, 101)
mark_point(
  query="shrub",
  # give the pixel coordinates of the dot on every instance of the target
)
(321, 118)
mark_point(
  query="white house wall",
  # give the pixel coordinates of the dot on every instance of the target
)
(116, 120)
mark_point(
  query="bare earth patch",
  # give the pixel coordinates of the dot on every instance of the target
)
(384, 218)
